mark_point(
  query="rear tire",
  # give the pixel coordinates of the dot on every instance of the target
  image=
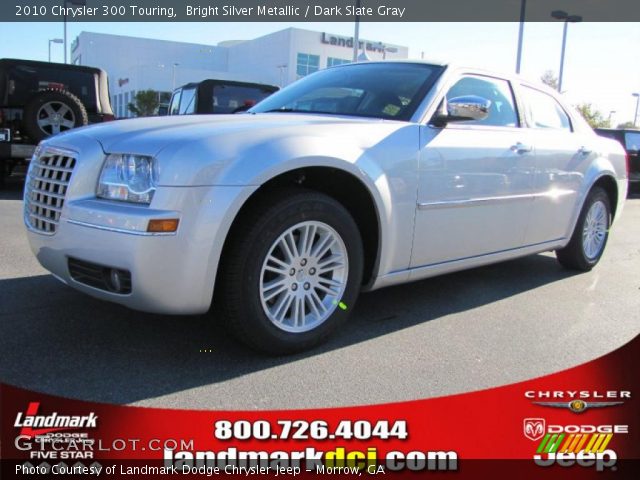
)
(590, 235)
(291, 273)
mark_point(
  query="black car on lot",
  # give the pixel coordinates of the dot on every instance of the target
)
(217, 96)
(630, 140)
(40, 99)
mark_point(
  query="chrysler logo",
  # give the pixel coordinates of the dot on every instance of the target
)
(577, 406)
(534, 428)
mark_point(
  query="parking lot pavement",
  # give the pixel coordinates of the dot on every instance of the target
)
(461, 332)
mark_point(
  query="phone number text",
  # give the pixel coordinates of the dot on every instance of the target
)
(304, 430)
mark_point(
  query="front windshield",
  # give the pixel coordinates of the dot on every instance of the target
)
(378, 90)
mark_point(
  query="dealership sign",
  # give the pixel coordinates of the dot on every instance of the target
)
(339, 41)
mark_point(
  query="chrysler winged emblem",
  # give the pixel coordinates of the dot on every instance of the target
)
(534, 428)
(578, 406)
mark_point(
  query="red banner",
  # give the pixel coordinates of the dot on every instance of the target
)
(578, 423)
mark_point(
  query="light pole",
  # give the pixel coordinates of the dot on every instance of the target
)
(635, 117)
(523, 8)
(611, 116)
(173, 77)
(356, 34)
(562, 15)
(71, 2)
(53, 40)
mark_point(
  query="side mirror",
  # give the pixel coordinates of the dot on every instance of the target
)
(459, 109)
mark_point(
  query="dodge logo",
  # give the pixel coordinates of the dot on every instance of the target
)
(534, 428)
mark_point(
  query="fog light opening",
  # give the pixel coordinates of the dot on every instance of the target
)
(115, 280)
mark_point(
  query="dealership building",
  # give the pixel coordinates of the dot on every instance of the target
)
(279, 58)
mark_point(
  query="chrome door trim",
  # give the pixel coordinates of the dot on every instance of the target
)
(472, 202)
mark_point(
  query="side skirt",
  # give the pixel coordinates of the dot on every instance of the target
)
(427, 271)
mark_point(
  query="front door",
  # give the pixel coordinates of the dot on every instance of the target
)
(475, 180)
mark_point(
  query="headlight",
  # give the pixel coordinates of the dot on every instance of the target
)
(130, 178)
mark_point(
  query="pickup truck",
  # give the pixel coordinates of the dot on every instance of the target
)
(630, 141)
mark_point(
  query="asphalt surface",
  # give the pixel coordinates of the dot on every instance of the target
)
(457, 333)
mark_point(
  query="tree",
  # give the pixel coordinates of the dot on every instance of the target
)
(145, 103)
(593, 116)
(628, 124)
(549, 78)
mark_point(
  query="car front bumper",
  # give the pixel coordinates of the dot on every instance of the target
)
(170, 273)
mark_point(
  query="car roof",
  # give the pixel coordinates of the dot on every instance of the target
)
(10, 62)
(213, 81)
(460, 67)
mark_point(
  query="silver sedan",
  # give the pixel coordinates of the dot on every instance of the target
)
(356, 177)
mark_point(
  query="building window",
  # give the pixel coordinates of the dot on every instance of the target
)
(307, 64)
(332, 62)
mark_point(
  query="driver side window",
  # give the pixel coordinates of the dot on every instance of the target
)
(502, 111)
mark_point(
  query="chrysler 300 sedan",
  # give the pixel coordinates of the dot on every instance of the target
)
(354, 178)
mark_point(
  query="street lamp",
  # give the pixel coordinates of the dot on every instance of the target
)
(79, 3)
(523, 9)
(173, 76)
(635, 117)
(356, 33)
(562, 15)
(53, 40)
(610, 116)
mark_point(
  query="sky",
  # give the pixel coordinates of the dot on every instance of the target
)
(602, 64)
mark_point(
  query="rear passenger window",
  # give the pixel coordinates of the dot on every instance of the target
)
(544, 111)
(502, 112)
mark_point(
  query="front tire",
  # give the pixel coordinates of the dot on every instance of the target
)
(589, 238)
(292, 272)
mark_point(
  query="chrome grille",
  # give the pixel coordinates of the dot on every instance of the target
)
(46, 189)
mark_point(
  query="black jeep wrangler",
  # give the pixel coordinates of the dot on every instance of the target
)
(40, 99)
(217, 96)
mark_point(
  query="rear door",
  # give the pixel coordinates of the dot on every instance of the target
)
(561, 158)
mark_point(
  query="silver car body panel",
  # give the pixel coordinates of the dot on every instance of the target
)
(446, 198)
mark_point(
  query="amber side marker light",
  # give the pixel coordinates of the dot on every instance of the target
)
(168, 225)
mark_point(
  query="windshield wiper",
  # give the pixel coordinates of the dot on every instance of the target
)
(295, 110)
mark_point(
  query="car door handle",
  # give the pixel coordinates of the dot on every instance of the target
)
(521, 148)
(584, 150)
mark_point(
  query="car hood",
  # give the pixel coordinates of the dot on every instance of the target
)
(247, 149)
(148, 136)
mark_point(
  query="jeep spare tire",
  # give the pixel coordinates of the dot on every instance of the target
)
(51, 112)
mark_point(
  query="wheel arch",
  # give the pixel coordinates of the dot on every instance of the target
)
(342, 185)
(610, 186)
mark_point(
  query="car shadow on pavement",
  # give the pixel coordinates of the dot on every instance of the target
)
(58, 341)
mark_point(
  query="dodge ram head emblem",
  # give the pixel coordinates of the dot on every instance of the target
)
(534, 428)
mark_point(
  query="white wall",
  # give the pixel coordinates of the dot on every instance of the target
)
(259, 59)
(135, 64)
